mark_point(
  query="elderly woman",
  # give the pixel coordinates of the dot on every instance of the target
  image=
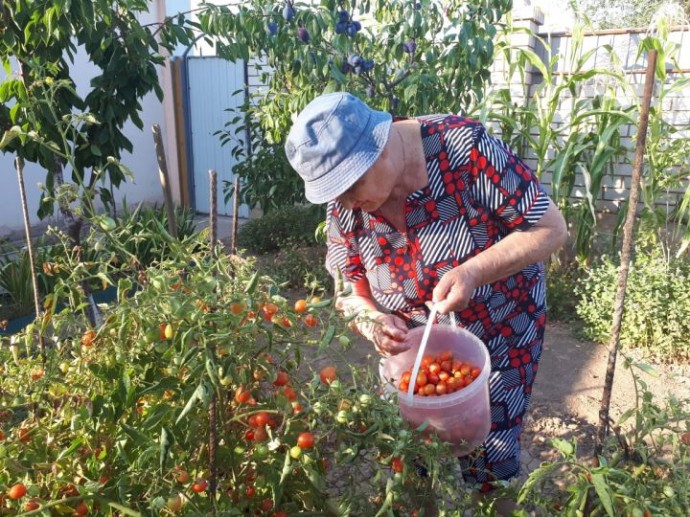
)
(433, 209)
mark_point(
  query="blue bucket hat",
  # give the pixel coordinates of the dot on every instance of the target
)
(333, 142)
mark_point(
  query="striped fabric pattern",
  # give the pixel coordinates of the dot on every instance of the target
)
(479, 191)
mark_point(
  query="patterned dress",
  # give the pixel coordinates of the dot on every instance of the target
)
(479, 191)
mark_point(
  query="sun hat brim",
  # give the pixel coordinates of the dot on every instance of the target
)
(362, 157)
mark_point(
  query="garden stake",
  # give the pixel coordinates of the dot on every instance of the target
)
(213, 403)
(213, 208)
(626, 250)
(164, 178)
(235, 215)
(19, 165)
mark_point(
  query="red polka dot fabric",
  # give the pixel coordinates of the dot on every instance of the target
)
(479, 191)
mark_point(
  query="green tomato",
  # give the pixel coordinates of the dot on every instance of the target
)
(261, 450)
(365, 399)
(344, 340)
(295, 452)
(343, 417)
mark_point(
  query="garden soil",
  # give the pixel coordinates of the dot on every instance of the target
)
(567, 393)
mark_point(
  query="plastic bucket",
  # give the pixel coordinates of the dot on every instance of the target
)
(462, 418)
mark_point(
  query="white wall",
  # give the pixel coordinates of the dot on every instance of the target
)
(142, 162)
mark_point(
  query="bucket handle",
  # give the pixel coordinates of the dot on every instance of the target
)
(422, 347)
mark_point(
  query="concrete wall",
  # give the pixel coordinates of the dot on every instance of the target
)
(146, 185)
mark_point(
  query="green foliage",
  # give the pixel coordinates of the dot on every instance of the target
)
(406, 57)
(611, 14)
(656, 304)
(588, 144)
(643, 468)
(561, 280)
(141, 236)
(299, 267)
(267, 179)
(112, 416)
(15, 275)
(284, 227)
(44, 119)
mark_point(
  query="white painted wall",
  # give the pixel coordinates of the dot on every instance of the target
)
(142, 162)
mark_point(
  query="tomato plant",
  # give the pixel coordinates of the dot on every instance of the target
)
(119, 420)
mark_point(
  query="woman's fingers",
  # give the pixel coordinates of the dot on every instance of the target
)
(454, 290)
(389, 335)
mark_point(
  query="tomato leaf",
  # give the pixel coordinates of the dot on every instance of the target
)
(603, 492)
(565, 447)
(251, 285)
(534, 479)
(124, 509)
(139, 438)
(166, 383)
(328, 336)
(423, 426)
(201, 393)
(166, 442)
(75, 445)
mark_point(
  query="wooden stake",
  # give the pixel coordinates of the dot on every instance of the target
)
(213, 206)
(164, 178)
(19, 166)
(626, 252)
(235, 215)
(213, 403)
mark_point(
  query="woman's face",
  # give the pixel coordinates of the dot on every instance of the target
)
(374, 188)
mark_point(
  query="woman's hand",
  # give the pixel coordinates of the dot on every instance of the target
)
(454, 290)
(386, 331)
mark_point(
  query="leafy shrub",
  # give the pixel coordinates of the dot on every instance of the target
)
(300, 267)
(140, 237)
(284, 227)
(656, 304)
(15, 276)
(561, 280)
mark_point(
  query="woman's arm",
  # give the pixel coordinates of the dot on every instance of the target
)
(508, 256)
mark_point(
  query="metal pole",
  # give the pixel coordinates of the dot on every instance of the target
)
(626, 251)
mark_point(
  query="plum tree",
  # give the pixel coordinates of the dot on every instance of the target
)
(405, 57)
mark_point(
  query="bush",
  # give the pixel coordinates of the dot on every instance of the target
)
(286, 226)
(656, 304)
(560, 284)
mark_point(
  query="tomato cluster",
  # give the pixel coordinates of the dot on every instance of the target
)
(440, 375)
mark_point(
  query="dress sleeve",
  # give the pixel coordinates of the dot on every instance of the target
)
(502, 182)
(342, 256)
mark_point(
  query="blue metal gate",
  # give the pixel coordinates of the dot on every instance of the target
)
(212, 83)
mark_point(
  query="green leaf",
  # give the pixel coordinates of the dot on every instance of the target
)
(166, 441)
(565, 447)
(603, 491)
(75, 445)
(200, 394)
(124, 509)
